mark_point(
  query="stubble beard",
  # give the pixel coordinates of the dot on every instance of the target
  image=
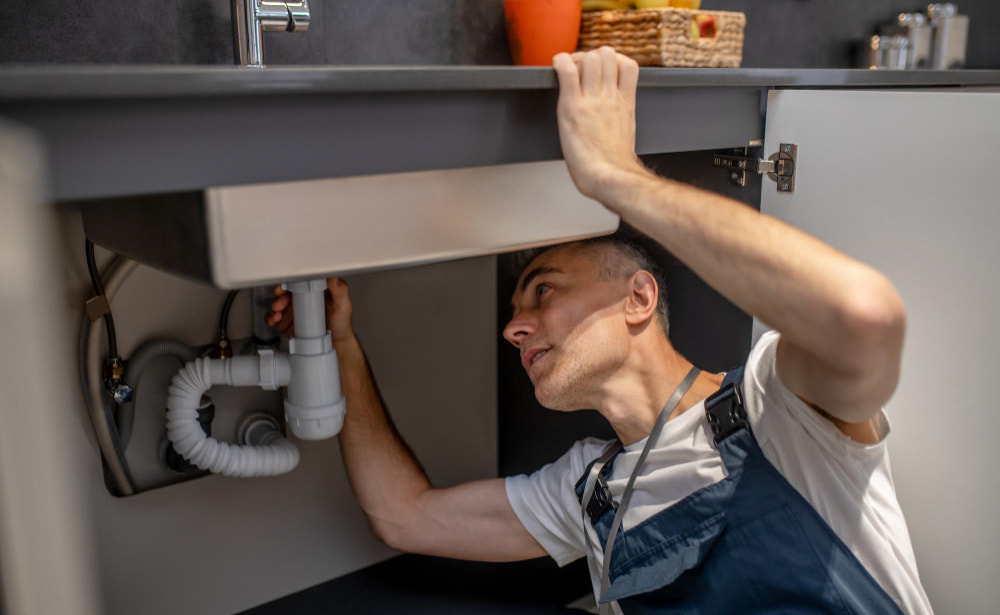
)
(572, 382)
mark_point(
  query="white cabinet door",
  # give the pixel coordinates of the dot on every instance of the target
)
(908, 182)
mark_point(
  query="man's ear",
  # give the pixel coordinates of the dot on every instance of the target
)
(640, 306)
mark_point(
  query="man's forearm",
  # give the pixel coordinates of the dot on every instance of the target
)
(384, 474)
(821, 300)
(841, 322)
(826, 304)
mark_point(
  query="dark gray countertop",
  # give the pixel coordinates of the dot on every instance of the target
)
(90, 82)
(133, 130)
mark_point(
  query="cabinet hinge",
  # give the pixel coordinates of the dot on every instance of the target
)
(780, 166)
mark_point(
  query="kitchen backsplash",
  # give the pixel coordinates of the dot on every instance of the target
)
(779, 33)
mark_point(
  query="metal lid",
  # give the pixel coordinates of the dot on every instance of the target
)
(890, 42)
(941, 10)
(912, 19)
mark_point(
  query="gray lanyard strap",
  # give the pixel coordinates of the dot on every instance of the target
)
(613, 448)
(654, 435)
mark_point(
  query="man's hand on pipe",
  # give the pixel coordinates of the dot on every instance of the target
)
(338, 311)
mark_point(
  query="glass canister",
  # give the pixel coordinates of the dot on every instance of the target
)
(915, 27)
(951, 32)
(887, 53)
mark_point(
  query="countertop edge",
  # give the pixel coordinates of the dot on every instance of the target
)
(76, 82)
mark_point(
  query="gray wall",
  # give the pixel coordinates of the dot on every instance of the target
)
(780, 33)
(825, 33)
(199, 32)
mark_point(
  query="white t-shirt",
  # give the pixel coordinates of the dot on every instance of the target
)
(848, 483)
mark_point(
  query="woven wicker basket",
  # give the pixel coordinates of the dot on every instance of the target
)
(662, 37)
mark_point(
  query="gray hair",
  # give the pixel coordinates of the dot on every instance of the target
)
(623, 255)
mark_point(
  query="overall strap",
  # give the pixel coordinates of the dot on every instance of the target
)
(734, 376)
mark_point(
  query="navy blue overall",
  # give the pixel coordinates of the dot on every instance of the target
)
(749, 543)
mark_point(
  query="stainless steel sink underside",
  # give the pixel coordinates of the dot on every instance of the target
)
(239, 236)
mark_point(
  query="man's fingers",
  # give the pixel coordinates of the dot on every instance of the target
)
(280, 316)
(340, 291)
(337, 286)
(279, 320)
(338, 298)
(567, 73)
(279, 303)
(590, 73)
(609, 68)
(628, 76)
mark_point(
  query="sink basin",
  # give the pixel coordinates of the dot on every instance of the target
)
(239, 236)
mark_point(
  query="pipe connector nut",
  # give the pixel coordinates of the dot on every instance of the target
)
(273, 369)
(305, 286)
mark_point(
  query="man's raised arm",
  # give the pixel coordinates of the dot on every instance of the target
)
(842, 322)
(469, 521)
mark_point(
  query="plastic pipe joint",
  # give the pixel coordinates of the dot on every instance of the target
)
(314, 408)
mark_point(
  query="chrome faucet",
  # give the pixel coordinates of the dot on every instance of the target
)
(251, 17)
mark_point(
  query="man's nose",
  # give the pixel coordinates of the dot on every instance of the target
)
(519, 327)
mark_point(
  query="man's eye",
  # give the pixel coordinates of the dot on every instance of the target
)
(541, 288)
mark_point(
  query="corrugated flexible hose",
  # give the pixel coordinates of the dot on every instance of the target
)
(189, 440)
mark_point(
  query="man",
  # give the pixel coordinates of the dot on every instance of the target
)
(774, 496)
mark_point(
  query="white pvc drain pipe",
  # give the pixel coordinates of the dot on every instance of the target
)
(314, 408)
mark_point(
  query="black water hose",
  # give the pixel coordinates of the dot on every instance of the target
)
(224, 316)
(95, 280)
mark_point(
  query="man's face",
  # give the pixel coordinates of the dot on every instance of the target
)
(569, 326)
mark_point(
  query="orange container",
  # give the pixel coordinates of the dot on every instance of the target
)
(539, 29)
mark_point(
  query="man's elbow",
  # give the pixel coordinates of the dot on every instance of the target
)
(873, 325)
(389, 533)
(399, 521)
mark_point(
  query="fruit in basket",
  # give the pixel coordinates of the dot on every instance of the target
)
(706, 26)
(694, 5)
(652, 4)
(605, 5)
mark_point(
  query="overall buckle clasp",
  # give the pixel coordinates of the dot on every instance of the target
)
(725, 411)
(601, 501)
